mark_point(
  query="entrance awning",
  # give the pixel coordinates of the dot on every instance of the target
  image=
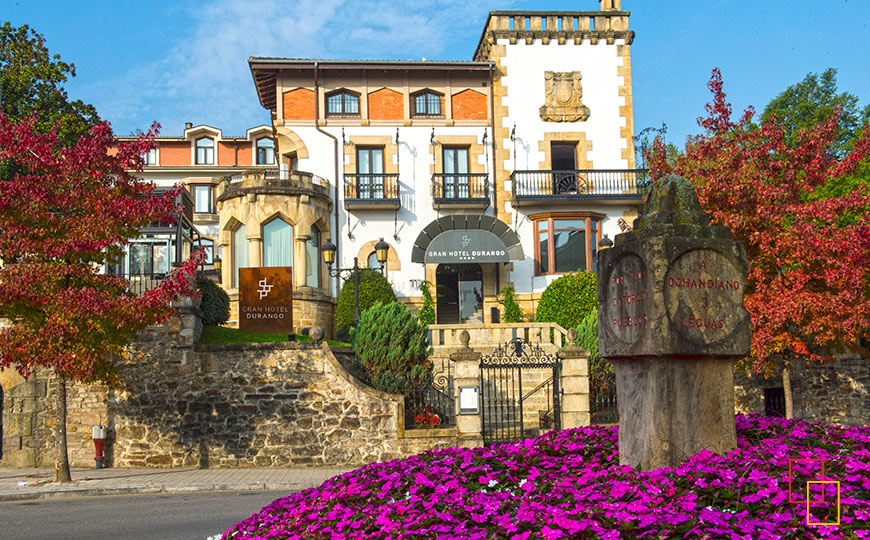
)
(474, 238)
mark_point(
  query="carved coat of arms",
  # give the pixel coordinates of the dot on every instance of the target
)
(562, 97)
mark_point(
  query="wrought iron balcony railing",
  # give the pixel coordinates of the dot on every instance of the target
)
(460, 190)
(371, 190)
(529, 187)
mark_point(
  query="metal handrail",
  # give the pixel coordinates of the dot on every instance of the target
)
(580, 182)
(453, 186)
(371, 186)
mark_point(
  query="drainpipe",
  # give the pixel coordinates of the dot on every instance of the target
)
(494, 168)
(335, 235)
(492, 129)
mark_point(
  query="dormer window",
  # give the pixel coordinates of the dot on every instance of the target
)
(265, 151)
(342, 103)
(205, 151)
(426, 103)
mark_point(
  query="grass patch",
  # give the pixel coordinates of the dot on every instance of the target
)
(223, 335)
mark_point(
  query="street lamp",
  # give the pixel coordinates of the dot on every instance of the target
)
(382, 249)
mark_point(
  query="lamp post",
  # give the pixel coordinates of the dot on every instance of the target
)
(353, 274)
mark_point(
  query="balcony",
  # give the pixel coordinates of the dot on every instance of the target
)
(460, 191)
(371, 191)
(273, 182)
(627, 186)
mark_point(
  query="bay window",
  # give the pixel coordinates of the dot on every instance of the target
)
(566, 242)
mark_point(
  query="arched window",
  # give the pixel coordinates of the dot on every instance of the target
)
(265, 151)
(342, 102)
(240, 252)
(312, 263)
(204, 151)
(373, 260)
(426, 103)
(277, 243)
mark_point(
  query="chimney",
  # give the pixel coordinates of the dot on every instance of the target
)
(188, 125)
(609, 5)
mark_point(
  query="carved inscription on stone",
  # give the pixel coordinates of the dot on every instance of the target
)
(704, 296)
(628, 299)
(562, 98)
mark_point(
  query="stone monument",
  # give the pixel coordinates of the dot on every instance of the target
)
(672, 322)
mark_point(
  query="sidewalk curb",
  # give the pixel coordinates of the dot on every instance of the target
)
(143, 490)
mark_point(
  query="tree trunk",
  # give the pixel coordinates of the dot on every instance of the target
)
(786, 389)
(61, 461)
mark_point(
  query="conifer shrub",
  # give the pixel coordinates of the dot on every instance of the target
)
(426, 315)
(567, 300)
(587, 338)
(511, 312)
(375, 289)
(391, 346)
(215, 305)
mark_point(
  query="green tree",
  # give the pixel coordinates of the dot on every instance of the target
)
(391, 345)
(31, 81)
(426, 315)
(809, 103)
(375, 288)
(512, 312)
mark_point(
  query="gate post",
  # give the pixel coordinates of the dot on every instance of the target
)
(466, 372)
(575, 384)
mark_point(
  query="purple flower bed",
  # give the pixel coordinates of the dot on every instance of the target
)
(569, 485)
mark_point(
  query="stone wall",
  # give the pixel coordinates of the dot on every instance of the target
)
(837, 391)
(237, 405)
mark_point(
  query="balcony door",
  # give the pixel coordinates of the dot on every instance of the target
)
(563, 162)
(370, 166)
(456, 185)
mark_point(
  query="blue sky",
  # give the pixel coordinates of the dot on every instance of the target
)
(177, 62)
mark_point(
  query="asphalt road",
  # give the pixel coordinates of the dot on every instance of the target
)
(167, 516)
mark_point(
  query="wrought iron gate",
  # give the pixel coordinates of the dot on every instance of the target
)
(513, 408)
(603, 407)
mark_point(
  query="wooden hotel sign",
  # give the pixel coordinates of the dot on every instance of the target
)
(266, 299)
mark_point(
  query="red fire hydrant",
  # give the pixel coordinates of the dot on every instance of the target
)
(99, 443)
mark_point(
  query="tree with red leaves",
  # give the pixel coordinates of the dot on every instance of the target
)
(66, 213)
(808, 289)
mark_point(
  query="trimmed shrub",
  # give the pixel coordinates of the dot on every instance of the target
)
(426, 315)
(215, 306)
(568, 299)
(375, 289)
(391, 346)
(511, 312)
(587, 338)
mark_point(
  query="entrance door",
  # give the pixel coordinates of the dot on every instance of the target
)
(460, 293)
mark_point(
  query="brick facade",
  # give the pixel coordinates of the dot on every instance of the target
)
(299, 104)
(386, 104)
(175, 153)
(469, 105)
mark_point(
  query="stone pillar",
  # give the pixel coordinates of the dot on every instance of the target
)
(255, 252)
(672, 322)
(466, 372)
(300, 260)
(575, 384)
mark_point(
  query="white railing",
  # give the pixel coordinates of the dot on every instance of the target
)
(485, 335)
